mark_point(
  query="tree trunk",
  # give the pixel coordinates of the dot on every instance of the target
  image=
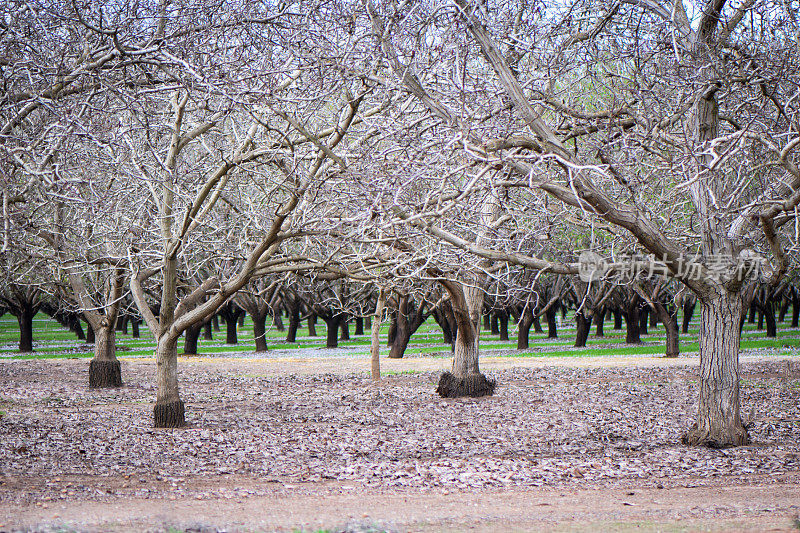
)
(487, 322)
(402, 335)
(552, 327)
(537, 325)
(375, 341)
(104, 368)
(719, 422)
(359, 326)
(312, 325)
(277, 319)
(751, 319)
(260, 331)
(392, 332)
(768, 312)
(190, 337)
(332, 336)
(599, 319)
(230, 330)
(688, 312)
(90, 337)
(345, 329)
(795, 308)
(617, 319)
(632, 323)
(215, 322)
(25, 321)
(784, 308)
(294, 323)
(135, 328)
(169, 411)
(502, 317)
(526, 320)
(760, 325)
(584, 325)
(669, 317)
(653, 318)
(76, 327)
(495, 324)
(208, 332)
(465, 378)
(368, 322)
(643, 313)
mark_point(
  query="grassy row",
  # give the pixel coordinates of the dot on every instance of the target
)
(53, 341)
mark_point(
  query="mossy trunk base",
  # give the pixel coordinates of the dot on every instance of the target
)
(169, 415)
(104, 374)
(473, 385)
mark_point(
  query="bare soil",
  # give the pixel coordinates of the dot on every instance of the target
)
(310, 443)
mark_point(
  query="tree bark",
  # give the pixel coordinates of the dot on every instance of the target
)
(25, 321)
(277, 319)
(359, 330)
(104, 368)
(375, 344)
(402, 335)
(644, 311)
(135, 327)
(260, 331)
(537, 325)
(766, 310)
(552, 327)
(719, 422)
(332, 337)
(669, 317)
(795, 308)
(632, 322)
(599, 320)
(231, 336)
(617, 319)
(584, 325)
(688, 313)
(465, 378)
(190, 337)
(523, 328)
(345, 329)
(502, 317)
(208, 332)
(294, 323)
(312, 325)
(169, 411)
(784, 308)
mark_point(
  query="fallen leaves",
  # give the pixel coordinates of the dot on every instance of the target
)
(544, 426)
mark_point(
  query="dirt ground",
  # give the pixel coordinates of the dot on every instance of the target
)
(309, 444)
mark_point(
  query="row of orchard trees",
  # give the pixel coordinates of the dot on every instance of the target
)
(175, 151)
